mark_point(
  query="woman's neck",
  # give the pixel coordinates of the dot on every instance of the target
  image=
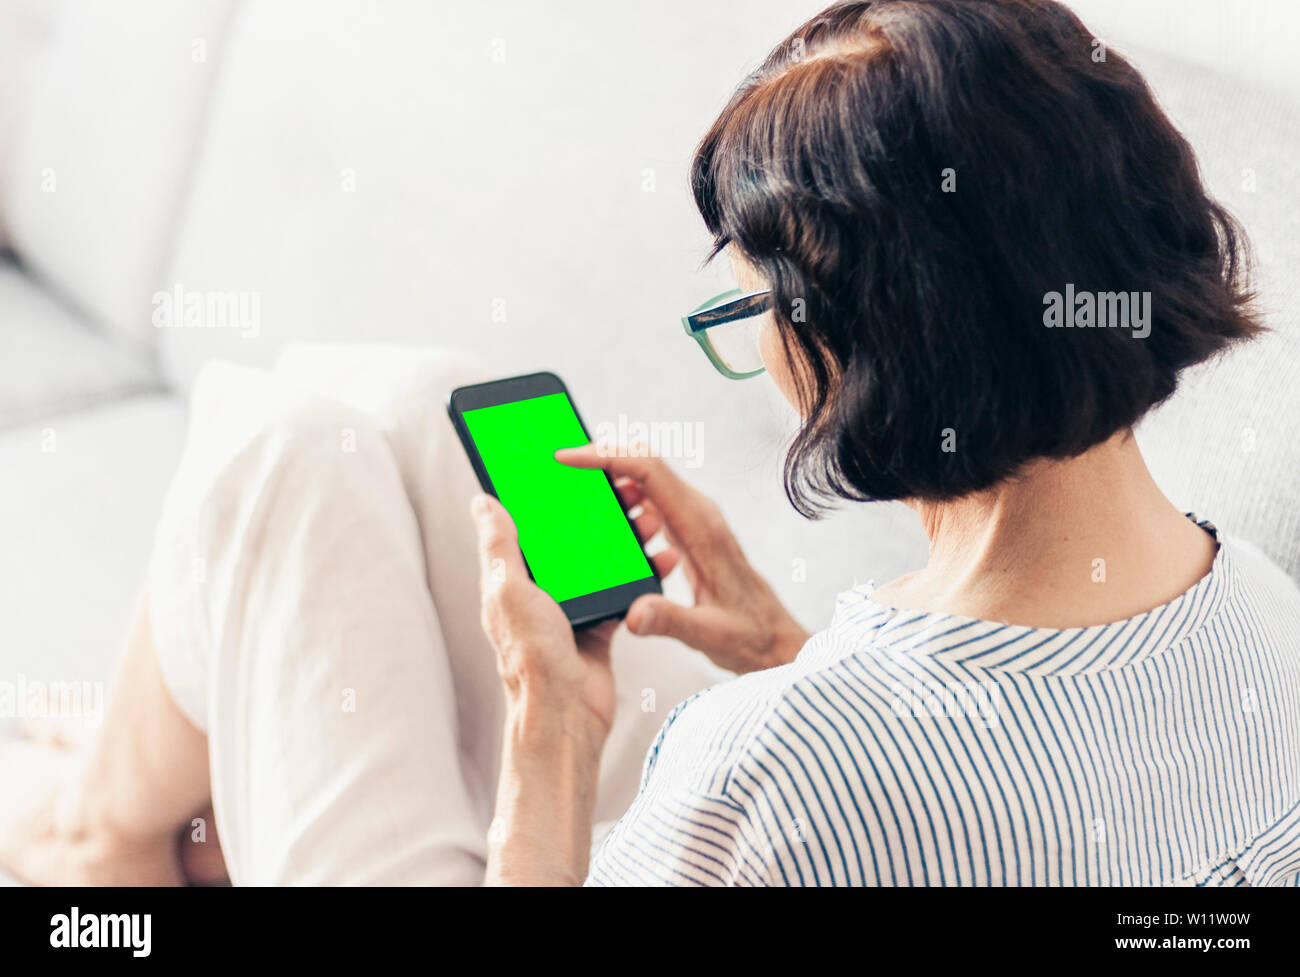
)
(1072, 543)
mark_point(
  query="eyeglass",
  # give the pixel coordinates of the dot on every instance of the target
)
(727, 327)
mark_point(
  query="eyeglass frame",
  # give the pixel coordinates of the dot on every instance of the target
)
(732, 311)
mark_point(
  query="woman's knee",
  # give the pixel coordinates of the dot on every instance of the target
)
(418, 383)
(258, 445)
(320, 434)
(385, 381)
(314, 450)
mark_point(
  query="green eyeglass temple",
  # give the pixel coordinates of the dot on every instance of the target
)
(729, 306)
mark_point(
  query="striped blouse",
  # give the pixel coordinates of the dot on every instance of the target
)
(912, 748)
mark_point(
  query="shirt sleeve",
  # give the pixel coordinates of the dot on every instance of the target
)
(681, 837)
(676, 833)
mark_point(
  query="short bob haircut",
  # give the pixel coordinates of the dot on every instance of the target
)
(914, 178)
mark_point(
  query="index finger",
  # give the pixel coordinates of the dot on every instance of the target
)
(650, 471)
(683, 508)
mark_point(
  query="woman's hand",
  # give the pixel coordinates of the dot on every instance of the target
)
(538, 654)
(737, 620)
(559, 707)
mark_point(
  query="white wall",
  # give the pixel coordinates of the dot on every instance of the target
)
(1254, 39)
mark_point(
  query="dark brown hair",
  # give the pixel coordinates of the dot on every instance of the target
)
(921, 302)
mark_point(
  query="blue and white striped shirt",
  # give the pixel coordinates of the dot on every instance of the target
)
(911, 748)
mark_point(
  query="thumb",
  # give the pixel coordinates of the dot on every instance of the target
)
(498, 541)
(653, 614)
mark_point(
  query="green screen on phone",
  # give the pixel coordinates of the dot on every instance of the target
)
(572, 529)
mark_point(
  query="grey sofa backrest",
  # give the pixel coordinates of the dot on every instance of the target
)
(1227, 445)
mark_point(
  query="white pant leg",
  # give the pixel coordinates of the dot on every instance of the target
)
(404, 391)
(294, 625)
(245, 596)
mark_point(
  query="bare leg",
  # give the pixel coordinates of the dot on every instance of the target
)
(108, 810)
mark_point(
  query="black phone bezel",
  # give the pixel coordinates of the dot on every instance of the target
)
(589, 609)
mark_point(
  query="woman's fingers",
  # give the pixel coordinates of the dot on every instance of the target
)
(594, 641)
(692, 516)
(703, 628)
(665, 562)
(630, 462)
(629, 492)
(649, 522)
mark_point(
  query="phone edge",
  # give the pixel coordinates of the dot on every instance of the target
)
(485, 480)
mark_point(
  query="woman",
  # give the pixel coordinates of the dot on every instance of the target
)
(1082, 686)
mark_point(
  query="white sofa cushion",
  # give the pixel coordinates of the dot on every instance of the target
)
(77, 528)
(103, 158)
(374, 172)
(1227, 445)
(25, 30)
(51, 362)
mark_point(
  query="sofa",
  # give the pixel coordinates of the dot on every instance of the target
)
(508, 177)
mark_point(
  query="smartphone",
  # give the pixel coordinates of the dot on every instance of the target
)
(578, 543)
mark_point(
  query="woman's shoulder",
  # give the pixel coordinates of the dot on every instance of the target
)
(873, 667)
(1265, 592)
(1255, 568)
(727, 726)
